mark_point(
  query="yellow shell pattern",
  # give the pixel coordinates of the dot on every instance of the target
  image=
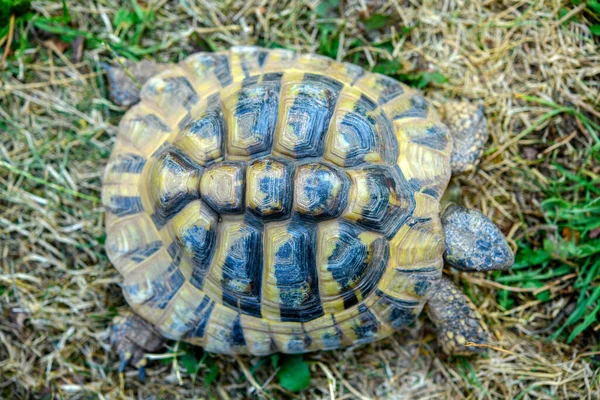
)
(261, 201)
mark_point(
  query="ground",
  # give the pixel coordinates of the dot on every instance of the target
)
(533, 65)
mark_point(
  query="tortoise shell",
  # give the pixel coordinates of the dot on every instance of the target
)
(261, 201)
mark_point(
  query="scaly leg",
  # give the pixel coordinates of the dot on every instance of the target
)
(456, 320)
(468, 127)
(132, 337)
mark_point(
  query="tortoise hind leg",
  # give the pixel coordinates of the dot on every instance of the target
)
(468, 127)
(456, 320)
(132, 337)
(125, 81)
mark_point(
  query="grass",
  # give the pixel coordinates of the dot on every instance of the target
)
(534, 66)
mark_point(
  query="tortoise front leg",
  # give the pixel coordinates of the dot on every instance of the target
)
(456, 319)
(468, 127)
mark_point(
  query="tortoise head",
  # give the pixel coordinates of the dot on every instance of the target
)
(473, 242)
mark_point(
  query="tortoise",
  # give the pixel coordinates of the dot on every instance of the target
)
(262, 201)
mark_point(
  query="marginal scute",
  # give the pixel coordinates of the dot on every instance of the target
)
(171, 92)
(247, 60)
(130, 241)
(207, 67)
(380, 87)
(143, 128)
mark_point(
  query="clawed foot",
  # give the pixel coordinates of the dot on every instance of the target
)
(457, 321)
(132, 338)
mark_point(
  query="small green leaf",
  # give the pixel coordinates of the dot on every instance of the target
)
(542, 296)
(294, 374)
(275, 360)
(101, 239)
(594, 5)
(213, 371)
(376, 21)
(595, 29)
(325, 8)
(504, 299)
(388, 67)
(191, 365)
(124, 19)
(433, 77)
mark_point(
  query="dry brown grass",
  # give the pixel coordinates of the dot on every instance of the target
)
(59, 292)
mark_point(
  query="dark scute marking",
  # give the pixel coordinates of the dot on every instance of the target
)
(311, 112)
(272, 77)
(402, 311)
(236, 337)
(380, 214)
(202, 314)
(367, 325)
(173, 249)
(211, 123)
(250, 80)
(430, 192)
(419, 270)
(435, 138)
(366, 103)
(262, 57)
(331, 340)
(358, 129)
(125, 205)
(141, 253)
(390, 88)
(242, 272)
(319, 189)
(244, 65)
(179, 164)
(129, 163)
(295, 345)
(277, 191)
(367, 131)
(181, 89)
(350, 299)
(296, 274)
(222, 70)
(256, 112)
(199, 242)
(354, 72)
(419, 109)
(331, 83)
(422, 287)
(165, 288)
(350, 266)
(151, 120)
